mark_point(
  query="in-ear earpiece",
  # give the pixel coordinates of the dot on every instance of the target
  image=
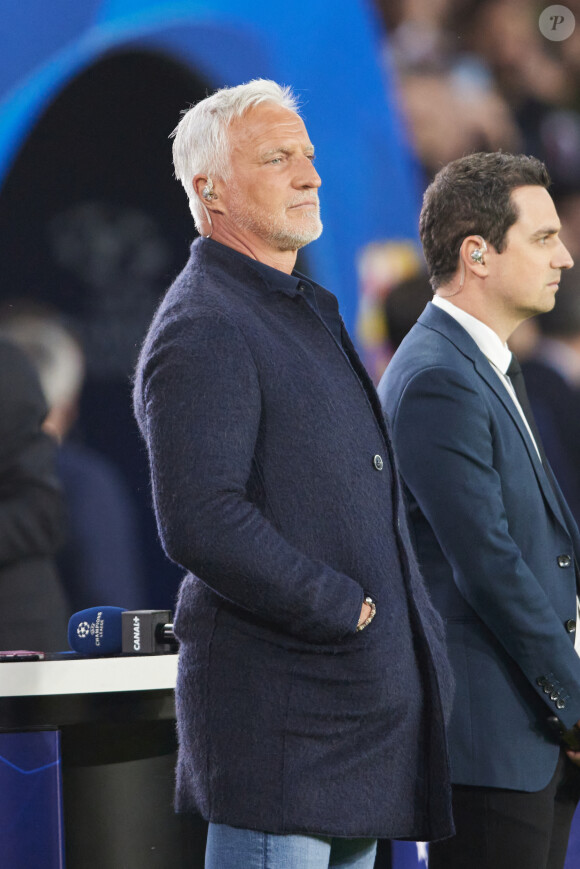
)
(207, 191)
(477, 255)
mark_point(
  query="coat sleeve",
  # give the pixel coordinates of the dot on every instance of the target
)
(443, 440)
(32, 517)
(201, 415)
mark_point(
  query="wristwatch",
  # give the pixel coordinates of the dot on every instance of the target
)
(370, 617)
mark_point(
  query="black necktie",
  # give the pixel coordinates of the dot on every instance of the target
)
(516, 376)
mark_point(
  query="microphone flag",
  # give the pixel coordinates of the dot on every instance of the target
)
(96, 631)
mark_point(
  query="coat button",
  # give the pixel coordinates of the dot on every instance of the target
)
(378, 462)
(541, 681)
(570, 626)
(564, 561)
(560, 704)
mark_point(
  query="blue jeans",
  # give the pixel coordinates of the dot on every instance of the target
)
(230, 848)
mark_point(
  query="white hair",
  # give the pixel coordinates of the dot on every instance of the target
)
(53, 351)
(200, 143)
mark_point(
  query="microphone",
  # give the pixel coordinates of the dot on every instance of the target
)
(111, 630)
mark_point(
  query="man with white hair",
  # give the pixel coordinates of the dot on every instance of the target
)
(312, 681)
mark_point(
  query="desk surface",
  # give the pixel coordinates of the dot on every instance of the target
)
(88, 676)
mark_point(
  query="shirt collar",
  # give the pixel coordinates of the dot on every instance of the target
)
(274, 278)
(486, 339)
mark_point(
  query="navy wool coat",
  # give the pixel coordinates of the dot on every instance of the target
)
(274, 487)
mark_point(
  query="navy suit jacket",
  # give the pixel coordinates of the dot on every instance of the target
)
(497, 547)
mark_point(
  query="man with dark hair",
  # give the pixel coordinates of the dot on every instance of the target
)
(312, 676)
(473, 196)
(495, 538)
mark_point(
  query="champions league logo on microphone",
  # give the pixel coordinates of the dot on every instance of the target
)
(88, 632)
(83, 629)
(94, 630)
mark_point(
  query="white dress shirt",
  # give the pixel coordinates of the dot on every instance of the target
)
(496, 352)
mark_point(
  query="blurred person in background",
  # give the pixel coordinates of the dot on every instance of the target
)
(403, 306)
(33, 606)
(568, 205)
(448, 93)
(552, 374)
(100, 560)
(479, 75)
(450, 115)
(381, 267)
(535, 78)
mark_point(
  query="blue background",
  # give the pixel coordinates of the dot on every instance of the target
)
(329, 52)
(31, 832)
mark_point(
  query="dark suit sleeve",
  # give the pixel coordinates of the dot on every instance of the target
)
(444, 444)
(31, 508)
(202, 406)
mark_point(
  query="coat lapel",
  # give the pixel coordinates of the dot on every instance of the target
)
(440, 321)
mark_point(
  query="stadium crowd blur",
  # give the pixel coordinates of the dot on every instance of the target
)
(479, 75)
